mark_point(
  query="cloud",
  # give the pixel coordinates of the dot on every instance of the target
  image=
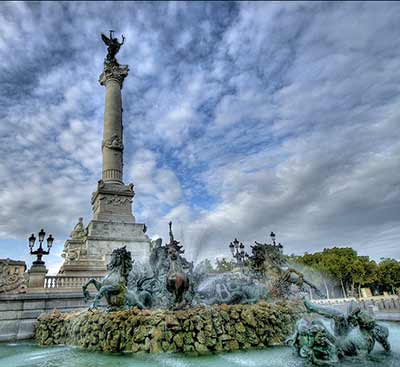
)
(239, 119)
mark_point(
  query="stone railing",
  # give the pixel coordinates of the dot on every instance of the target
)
(64, 281)
(378, 303)
(333, 301)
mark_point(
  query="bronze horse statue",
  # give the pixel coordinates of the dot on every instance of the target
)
(114, 285)
(177, 279)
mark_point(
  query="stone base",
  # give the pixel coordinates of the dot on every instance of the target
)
(18, 312)
(113, 202)
(101, 239)
(196, 330)
(36, 274)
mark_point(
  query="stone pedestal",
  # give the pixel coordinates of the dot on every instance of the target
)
(113, 202)
(37, 274)
(89, 256)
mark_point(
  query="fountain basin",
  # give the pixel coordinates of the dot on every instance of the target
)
(198, 330)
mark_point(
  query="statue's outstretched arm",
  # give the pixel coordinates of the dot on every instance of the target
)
(323, 311)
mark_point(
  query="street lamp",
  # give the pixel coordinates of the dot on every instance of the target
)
(237, 250)
(273, 238)
(40, 251)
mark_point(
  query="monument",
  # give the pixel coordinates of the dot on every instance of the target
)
(113, 225)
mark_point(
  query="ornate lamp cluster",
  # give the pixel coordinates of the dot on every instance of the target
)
(40, 251)
(237, 250)
(273, 238)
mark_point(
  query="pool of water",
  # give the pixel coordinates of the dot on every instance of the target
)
(28, 354)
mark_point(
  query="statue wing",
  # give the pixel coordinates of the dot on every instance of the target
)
(105, 39)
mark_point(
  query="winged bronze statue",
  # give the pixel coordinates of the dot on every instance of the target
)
(113, 46)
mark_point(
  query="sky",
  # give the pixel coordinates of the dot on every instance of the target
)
(239, 119)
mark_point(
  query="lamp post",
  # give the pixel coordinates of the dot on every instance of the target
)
(237, 250)
(38, 271)
(273, 238)
(40, 251)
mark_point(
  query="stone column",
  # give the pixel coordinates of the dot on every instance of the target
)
(112, 200)
(112, 147)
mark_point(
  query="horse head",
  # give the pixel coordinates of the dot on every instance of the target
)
(121, 259)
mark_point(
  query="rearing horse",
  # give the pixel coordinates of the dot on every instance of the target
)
(114, 284)
(177, 280)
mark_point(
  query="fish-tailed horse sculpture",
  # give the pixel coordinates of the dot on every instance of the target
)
(114, 285)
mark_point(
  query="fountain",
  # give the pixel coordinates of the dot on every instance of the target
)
(168, 305)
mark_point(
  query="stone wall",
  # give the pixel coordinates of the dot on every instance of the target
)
(19, 312)
(197, 330)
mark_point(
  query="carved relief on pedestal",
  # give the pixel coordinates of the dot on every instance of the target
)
(118, 200)
(96, 203)
(12, 276)
(71, 254)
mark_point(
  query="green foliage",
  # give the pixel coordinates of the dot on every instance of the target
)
(352, 271)
(388, 274)
(206, 266)
(224, 265)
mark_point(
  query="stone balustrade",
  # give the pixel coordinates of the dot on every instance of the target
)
(67, 281)
(387, 303)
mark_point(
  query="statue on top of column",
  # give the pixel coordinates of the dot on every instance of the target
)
(113, 46)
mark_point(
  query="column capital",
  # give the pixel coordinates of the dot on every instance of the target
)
(115, 72)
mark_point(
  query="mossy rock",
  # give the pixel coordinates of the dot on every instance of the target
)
(197, 330)
(178, 340)
(200, 348)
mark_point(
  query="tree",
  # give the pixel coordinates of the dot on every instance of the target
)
(333, 263)
(206, 266)
(353, 271)
(363, 272)
(224, 265)
(388, 275)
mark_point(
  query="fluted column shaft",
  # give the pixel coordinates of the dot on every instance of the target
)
(112, 148)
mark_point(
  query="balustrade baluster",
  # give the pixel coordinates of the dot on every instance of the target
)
(62, 281)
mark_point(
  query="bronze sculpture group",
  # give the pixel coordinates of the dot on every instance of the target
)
(354, 335)
(170, 281)
(268, 261)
